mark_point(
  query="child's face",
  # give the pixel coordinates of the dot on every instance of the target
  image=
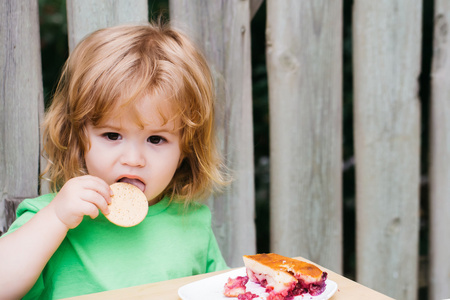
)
(122, 150)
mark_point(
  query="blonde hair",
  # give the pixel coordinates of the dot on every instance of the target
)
(120, 65)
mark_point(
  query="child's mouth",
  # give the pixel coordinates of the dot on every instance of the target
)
(134, 181)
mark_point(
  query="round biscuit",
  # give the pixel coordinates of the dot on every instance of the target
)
(129, 205)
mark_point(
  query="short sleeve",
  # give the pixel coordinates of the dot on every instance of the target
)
(25, 211)
(216, 262)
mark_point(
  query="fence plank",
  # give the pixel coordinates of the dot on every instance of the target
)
(254, 6)
(439, 171)
(304, 60)
(21, 101)
(11, 205)
(86, 16)
(223, 29)
(387, 46)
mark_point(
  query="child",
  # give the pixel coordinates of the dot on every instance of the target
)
(134, 104)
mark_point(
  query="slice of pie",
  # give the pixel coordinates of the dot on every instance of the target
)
(284, 277)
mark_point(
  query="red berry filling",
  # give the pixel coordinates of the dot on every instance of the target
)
(247, 296)
(235, 287)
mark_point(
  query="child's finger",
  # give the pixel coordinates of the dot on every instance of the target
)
(91, 211)
(101, 187)
(96, 199)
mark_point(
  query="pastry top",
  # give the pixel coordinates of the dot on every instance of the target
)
(286, 264)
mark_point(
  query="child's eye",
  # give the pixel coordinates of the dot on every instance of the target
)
(113, 136)
(155, 139)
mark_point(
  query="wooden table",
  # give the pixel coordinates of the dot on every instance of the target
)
(168, 290)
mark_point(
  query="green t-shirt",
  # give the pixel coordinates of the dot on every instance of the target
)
(171, 242)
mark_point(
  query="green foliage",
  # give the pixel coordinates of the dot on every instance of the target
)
(54, 43)
(158, 8)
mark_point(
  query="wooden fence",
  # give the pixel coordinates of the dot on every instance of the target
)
(304, 61)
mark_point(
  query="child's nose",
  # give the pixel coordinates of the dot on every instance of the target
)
(132, 156)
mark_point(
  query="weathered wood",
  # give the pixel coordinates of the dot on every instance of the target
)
(304, 64)
(222, 28)
(254, 6)
(439, 171)
(86, 16)
(21, 101)
(387, 49)
(11, 205)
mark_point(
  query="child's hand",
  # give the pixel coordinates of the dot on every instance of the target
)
(81, 196)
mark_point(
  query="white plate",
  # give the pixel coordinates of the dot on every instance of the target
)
(212, 288)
